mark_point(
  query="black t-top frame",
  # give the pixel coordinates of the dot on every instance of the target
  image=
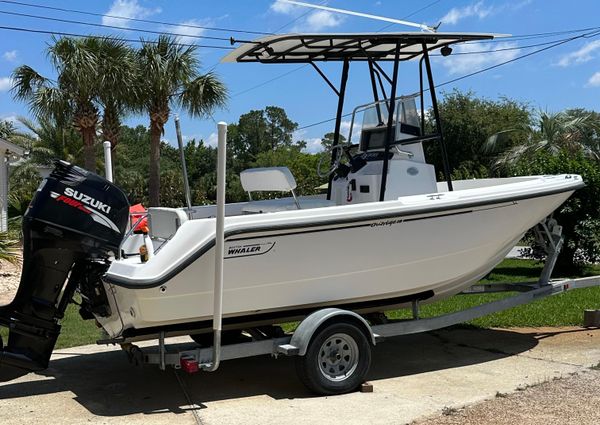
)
(371, 48)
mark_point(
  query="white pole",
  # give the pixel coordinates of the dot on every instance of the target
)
(108, 161)
(219, 248)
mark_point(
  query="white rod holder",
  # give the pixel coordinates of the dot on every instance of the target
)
(108, 161)
(219, 248)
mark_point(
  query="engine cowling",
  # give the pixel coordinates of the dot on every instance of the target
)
(76, 221)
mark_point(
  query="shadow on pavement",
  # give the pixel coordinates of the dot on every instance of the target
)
(107, 385)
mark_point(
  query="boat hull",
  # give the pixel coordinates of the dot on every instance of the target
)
(429, 255)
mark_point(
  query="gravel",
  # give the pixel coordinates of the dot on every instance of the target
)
(573, 400)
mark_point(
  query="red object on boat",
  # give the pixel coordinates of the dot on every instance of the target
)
(136, 212)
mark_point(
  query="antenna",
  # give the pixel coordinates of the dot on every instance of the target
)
(362, 15)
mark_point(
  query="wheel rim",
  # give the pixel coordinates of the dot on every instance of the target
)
(338, 357)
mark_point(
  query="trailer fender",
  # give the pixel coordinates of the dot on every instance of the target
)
(307, 328)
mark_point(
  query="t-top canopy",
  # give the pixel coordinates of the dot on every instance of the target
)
(304, 48)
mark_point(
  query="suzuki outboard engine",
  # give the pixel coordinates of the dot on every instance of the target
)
(74, 224)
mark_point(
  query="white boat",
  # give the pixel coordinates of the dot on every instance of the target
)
(386, 234)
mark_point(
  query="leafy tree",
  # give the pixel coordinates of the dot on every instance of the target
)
(171, 79)
(302, 165)
(467, 122)
(580, 214)
(327, 140)
(258, 131)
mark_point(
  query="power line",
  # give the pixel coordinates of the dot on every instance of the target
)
(69, 34)
(216, 64)
(502, 49)
(303, 66)
(559, 43)
(555, 44)
(148, 21)
(69, 21)
(264, 83)
(298, 18)
(532, 36)
(411, 14)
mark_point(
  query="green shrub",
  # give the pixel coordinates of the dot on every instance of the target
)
(580, 214)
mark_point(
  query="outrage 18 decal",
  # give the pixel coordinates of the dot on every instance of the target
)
(87, 205)
(248, 249)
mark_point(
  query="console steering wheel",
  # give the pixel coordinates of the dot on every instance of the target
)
(338, 153)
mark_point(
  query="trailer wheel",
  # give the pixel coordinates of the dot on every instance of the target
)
(336, 360)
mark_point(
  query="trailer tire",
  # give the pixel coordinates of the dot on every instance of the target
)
(336, 361)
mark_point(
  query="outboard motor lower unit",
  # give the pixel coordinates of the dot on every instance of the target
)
(74, 224)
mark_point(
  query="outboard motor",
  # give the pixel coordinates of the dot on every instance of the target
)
(74, 224)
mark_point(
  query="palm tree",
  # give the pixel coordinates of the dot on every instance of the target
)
(47, 141)
(572, 131)
(169, 78)
(118, 73)
(71, 97)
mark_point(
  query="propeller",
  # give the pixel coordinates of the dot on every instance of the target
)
(363, 15)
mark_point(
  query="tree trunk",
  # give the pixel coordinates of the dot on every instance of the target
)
(156, 130)
(89, 150)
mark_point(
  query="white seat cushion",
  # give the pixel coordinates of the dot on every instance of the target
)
(269, 179)
(284, 204)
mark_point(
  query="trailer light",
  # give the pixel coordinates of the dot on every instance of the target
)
(189, 364)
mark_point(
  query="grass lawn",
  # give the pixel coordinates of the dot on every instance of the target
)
(559, 310)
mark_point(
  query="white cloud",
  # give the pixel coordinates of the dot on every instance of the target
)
(320, 20)
(10, 56)
(594, 80)
(457, 14)
(459, 64)
(127, 9)
(315, 21)
(582, 55)
(189, 32)
(313, 145)
(5, 83)
(212, 140)
(345, 130)
(282, 7)
(10, 118)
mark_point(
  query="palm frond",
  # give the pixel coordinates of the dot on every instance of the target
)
(26, 81)
(202, 95)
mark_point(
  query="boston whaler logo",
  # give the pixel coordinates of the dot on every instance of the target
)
(249, 249)
(86, 204)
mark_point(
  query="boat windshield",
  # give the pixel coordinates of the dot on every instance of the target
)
(370, 128)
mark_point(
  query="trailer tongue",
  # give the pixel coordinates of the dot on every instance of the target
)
(75, 222)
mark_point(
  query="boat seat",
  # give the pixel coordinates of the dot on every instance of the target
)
(275, 179)
(164, 222)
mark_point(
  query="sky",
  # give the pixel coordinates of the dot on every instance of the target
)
(566, 76)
